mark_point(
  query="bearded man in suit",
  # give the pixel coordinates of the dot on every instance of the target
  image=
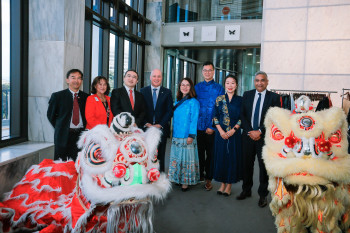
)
(66, 113)
(159, 103)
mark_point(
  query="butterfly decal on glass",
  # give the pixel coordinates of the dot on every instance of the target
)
(231, 32)
(186, 33)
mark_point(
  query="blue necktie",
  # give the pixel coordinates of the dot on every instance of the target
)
(154, 103)
(154, 98)
(256, 113)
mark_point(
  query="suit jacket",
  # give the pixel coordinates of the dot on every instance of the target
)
(95, 112)
(120, 102)
(164, 107)
(60, 112)
(271, 100)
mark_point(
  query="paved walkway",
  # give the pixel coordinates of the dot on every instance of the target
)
(198, 210)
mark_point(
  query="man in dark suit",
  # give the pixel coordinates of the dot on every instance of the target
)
(66, 113)
(159, 103)
(255, 104)
(127, 99)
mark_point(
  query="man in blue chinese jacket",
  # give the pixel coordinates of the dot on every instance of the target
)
(207, 92)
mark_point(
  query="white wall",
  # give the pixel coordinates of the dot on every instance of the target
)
(306, 45)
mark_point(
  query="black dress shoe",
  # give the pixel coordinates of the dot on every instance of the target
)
(262, 202)
(244, 195)
(219, 192)
(226, 194)
(184, 189)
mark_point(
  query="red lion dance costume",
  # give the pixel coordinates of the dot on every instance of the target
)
(108, 189)
(309, 169)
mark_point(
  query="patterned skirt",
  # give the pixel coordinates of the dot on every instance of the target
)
(184, 162)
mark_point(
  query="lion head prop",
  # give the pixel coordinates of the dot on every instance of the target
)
(108, 189)
(309, 170)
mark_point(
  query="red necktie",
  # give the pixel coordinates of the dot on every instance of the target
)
(131, 99)
(75, 119)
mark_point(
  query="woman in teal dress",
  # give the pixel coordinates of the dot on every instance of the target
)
(184, 163)
(227, 165)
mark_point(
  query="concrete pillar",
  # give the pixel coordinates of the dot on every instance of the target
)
(153, 52)
(56, 44)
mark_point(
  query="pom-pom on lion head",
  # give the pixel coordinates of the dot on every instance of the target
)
(303, 104)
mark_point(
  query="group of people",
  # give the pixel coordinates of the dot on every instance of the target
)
(71, 111)
(216, 133)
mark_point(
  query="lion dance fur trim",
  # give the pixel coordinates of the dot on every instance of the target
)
(309, 170)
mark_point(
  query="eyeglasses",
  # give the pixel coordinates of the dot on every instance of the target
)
(207, 71)
(185, 85)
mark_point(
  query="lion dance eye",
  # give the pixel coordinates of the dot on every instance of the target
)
(94, 154)
(335, 138)
(276, 134)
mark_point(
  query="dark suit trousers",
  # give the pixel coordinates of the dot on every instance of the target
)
(250, 148)
(205, 144)
(71, 150)
(161, 152)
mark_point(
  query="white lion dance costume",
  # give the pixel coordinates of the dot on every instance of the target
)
(108, 189)
(309, 169)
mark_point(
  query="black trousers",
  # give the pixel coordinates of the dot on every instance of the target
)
(161, 153)
(71, 149)
(205, 144)
(250, 148)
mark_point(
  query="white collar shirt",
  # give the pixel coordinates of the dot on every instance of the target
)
(263, 94)
(157, 90)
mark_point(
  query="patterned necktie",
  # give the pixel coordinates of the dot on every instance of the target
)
(154, 98)
(75, 119)
(256, 113)
(131, 99)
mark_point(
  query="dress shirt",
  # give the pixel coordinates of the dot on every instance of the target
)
(80, 125)
(128, 91)
(157, 91)
(261, 105)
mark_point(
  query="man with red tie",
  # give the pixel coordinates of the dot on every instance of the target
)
(66, 113)
(127, 99)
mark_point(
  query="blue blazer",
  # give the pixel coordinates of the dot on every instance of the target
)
(164, 108)
(186, 118)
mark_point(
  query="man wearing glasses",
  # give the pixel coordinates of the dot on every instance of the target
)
(207, 92)
(66, 113)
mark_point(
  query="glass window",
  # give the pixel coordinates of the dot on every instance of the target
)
(96, 5)
(5, 66)
(128, 2)
(106, 53)
(201, 10)
(127, 56)
(13, 63)
(141, 6)
(111, 69)
(95, 55)
(186, 69)
(112, 13)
